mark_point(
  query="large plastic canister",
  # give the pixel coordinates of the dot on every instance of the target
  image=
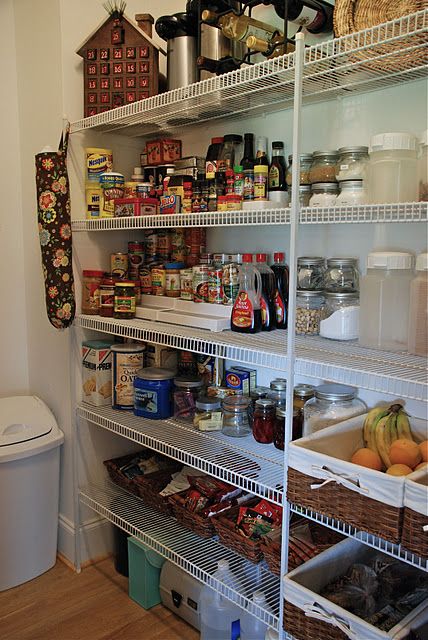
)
(220, 618)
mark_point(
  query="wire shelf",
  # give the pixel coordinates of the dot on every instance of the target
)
(197, 556)
(369, 213)
(381, 56)
(397, 374)
(395, 550)
(254, 467)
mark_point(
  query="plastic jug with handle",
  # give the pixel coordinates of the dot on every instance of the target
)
(246, 313)
(219, 617)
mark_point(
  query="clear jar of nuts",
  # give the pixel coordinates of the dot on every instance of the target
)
(309, 305)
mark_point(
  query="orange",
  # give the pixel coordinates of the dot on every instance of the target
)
(404, 451)
(399, 470)
(423, 446)
(367, 458)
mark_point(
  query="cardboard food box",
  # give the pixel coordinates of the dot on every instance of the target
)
(317, 614)
(163, 151)
(96, 372)
(159, 356)
(170, 204)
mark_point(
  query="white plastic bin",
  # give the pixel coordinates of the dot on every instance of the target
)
(29, 489)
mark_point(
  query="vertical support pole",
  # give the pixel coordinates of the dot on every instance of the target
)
(294, 220)
(75, 454)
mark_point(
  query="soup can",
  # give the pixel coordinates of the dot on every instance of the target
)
(200, 283)
(135, 259)
(119, 265)
(127, 360)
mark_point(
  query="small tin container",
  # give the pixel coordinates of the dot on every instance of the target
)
(127, 360)
(119, 265)
(153, 393)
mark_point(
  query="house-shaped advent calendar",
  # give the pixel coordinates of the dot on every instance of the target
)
(121, 63)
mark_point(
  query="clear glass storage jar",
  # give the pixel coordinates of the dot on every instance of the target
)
(352, 163)
(392, 175)
(340, 317)
(186, 392)
(309, 306)
(278, 392)
(279, 430)
(256, 394)
(423, 168)
(264, 421)
(301, 394)
(305, 194)
(385, 300)
(208, 414)
(310, 273)
(305, 165)
(323, 167)
(352, 192)
(342, 275)
(235, 416)
(332, 403)
(324, 194)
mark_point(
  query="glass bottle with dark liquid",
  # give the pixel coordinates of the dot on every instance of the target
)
(280, 270)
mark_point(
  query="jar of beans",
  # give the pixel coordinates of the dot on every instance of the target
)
(309, 305)
(264, 421)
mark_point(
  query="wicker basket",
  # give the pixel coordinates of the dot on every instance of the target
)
(297, 624)
(414, 538)
(148, 488)
(192, 521)
(336, 501)
(225, 527)
(113, 467)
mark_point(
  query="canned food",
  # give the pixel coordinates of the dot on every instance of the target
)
(215, 286)
(119, 264)
(93, 197)
(135, 259)
(158, 275)
(164, 243)
(130, 190)
(145, 280)
(151, 240)
(178, 245)
(143, 189)
(127, 360)
(98, 161)
(112, 188)
(172, 279)
(186, 284)
(200, 283)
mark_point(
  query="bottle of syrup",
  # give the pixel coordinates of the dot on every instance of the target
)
(246, 314)
(278, 168)
(267, 299)
(280, 270)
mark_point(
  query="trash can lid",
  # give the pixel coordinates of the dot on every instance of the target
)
(24, 418)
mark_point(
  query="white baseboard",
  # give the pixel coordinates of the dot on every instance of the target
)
(96, 539)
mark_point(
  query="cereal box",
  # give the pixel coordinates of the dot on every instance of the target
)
(96, 372)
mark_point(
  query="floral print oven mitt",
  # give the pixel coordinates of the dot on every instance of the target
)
(53, 198)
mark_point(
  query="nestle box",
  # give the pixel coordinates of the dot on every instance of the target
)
(238, 380)
(159, 356)
(96, 372)
(163, 151)
(252, 372)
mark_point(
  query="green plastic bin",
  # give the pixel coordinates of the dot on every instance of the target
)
(144, 574)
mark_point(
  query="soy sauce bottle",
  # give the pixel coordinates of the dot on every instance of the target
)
(267, 300)
(280, 270)
(278, 168)
(246, 314)
(247, 164)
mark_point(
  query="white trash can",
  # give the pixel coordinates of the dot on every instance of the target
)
(29, 489)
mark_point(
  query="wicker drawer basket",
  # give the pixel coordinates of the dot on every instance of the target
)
(415, 521)
(192, 521)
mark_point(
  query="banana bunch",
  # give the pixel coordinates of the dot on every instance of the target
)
(382, 427)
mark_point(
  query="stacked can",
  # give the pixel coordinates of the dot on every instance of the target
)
(215, 279)
(97, 161)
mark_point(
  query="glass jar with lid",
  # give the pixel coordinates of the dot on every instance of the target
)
(323, 167)
(278, 392)
(256, 394)
(352, 163)
(279, 431)
(305, 194)
(186, 392)
(235, 416)
(324, 194)
(310, 273)
(305, 165)
(341, 315)
(352, 192)
(230, 277)
(342, 275)
(91, 282)
(264, 420)
(309, 305)
(331, 404)
(301, 394)
(208, 414)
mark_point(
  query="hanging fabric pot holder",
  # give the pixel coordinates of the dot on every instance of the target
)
(53, 200)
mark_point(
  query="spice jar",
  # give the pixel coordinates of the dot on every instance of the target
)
(235, 416)
(352, 163)
(323, 167)
(310, 273)
(172, 279)
(308, 312)
(256, 394)
(107, 296)
(342, 275)
(301, 394)
(208, 414)
(341, 315)
(186, 391)
(279, 430)
(332, 403)
(124, 300)
(278, 392)
(324, 194)
(264, 421)
(352, 192)
(91, 281)
(305, 165)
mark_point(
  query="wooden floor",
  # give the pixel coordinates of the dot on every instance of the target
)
(61, 605)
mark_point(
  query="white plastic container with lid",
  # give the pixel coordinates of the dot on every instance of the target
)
(392, 174)
(251, 627)
(423, 167)
(384, 300)
(219, 617)
(418, 309)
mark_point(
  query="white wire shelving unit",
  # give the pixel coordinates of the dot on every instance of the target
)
(372, 59)
(369, 213)
(394, 550)
(240, 461)
(197, 556)
(398, 374)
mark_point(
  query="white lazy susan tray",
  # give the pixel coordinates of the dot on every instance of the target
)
(215, 317)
